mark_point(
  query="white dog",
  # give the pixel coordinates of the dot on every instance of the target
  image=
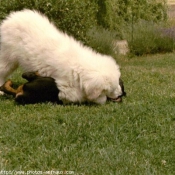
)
(30, 40)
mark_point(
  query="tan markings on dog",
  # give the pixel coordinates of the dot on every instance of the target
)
(18, 94)
(8, 89)
(36, 73)
(20, 90)
(8, 83)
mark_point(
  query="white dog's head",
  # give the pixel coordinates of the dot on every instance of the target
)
(105, 85)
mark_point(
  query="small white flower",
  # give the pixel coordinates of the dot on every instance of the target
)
(49, 4)
(132, 153)
(163, 162)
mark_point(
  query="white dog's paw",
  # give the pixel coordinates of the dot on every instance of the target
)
(101, 100)
(62, 97)
(2, 93)
(71, 95)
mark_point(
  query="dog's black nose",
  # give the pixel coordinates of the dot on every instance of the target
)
(122, 87)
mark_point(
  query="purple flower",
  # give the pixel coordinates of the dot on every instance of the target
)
(168, 32)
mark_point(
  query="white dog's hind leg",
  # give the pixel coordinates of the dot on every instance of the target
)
(6, 68)
(5, 71)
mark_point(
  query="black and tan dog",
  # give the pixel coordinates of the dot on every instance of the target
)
(119, 99)
(40, 89)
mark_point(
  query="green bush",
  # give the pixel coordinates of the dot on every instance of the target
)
(77, 16)
(149, 38)
(81, 19)
(114, 13)
(74, 16)
(124, 16)
(102, 40)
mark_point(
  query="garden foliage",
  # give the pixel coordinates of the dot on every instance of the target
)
(148, 37)
(71, 16)
(114, 13)
(93, 21)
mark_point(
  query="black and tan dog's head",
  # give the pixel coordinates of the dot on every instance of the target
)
(37, 89)
(119, 98)
(122, 87)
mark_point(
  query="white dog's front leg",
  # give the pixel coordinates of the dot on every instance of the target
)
(71, 95)
(62, 97)
(2, 80)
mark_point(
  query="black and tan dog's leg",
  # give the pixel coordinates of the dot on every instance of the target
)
(38, 89)
(8, 89)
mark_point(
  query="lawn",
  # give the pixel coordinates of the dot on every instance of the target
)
(136, 137)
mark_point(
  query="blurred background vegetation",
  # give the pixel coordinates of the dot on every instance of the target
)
(98, 23)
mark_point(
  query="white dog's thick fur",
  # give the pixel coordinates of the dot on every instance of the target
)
(29, 40)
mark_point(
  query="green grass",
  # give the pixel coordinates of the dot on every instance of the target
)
(136, 137)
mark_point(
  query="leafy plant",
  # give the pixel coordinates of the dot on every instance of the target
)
(74, 16)
(113, 13)
(149, 38)
(102, 40)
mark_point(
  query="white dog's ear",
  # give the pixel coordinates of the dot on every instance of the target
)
(93, 86)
